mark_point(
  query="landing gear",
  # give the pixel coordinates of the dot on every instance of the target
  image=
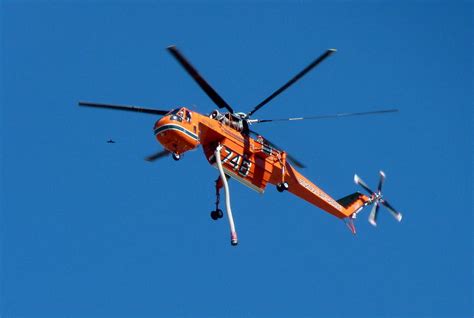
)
(176, 156)
(218, 214)
(282, 186)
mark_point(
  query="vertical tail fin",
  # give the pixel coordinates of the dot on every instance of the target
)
(353, 203)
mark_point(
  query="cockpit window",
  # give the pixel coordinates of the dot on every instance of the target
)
(174, 117)
(174, 111)
(177, 114)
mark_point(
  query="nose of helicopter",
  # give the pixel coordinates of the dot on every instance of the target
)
(175, 133)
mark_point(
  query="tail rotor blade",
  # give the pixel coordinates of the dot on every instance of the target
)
(377, 199)
(373, 214)
(382, 179)
(397, 215)
(158, 155)
(360, 182)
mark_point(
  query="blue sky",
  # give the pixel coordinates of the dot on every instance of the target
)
(90, 229)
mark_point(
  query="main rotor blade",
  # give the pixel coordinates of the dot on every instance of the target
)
(293, 80)
(289, 157)
(295, 161)
(126, 108)
(373, 214)
(257, 121)
(397, 215)
(158, 155)
(360, 182)
(219, 101)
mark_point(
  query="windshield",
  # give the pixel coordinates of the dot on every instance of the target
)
(174, 111)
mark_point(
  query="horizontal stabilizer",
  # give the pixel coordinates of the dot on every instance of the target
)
(347, 201)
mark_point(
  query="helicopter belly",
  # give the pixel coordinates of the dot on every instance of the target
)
(242, 164)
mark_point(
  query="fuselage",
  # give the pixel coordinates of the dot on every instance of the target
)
(250, 161)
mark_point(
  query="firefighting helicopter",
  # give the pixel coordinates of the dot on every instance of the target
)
(242, 154)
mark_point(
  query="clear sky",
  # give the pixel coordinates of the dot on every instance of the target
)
(89, 229)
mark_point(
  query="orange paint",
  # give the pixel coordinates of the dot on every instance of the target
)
(251, 162)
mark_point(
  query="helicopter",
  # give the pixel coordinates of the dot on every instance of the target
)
(240, 153)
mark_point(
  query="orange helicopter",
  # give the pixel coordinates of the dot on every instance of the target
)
(242, 154)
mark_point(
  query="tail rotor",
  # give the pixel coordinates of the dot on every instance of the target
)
(377, 199)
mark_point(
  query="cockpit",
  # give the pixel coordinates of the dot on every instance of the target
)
(180, 115)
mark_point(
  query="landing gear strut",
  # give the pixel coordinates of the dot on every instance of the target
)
(217, 213)
(283, 185)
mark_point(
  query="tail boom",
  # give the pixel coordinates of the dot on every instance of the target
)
(308, 191)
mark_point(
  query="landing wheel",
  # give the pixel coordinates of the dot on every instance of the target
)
(217, 214)
(282, 186)
(176, 156)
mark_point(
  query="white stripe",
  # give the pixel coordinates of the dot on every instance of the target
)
(241, 180)
(177, 128)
